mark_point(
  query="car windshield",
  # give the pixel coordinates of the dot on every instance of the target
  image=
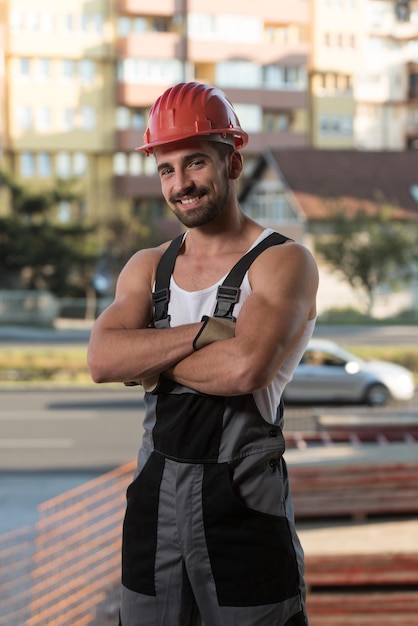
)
(317, 355)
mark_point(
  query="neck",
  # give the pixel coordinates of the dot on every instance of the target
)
(236, 232)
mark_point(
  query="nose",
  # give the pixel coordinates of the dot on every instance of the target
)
(181, 181)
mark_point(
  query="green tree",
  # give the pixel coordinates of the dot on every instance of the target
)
(36, 252)
(369, 251)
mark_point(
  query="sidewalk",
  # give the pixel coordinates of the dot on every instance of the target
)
(64, 331)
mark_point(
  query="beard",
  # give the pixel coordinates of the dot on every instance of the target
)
(207, 212)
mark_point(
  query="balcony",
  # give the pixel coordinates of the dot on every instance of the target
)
(156, 7)
(138, 95)
(146, 187)
(272, 99)
(280, 11)
(152, 45)
(201, 51)
(260, 141)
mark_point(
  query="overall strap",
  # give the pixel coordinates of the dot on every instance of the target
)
(228, 292)
(161, 293)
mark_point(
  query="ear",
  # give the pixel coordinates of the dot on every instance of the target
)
(235, 165)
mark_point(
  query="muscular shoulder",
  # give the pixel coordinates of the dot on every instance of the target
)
(288, 268)
(139, 272)
(279, 259)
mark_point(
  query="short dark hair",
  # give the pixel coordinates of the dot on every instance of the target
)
(223, 149)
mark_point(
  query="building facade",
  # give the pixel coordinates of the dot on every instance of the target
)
(77, 79)
(386, 82)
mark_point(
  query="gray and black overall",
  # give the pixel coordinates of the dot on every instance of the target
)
(208, 535)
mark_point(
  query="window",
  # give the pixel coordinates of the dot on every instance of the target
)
(27, 165)
(201, 26)
(238, 74)
(67, 69)
(64, 212)
(135, 163)
(44, 165)
(276, 121)
(43, 118)
(335, 125)
(139, 25)
(87, 117)
(150, 167)
(46, 22)
(122, 118)
(43, 69)
(250, 116)
(402, 10)
(63, 165)
(32, 19)
(285, 77)
(124, 26)
(120, 164)
(23, 68)
(323, 125)
(79, 164)
(138, 71)
(240, 28)
(98, 23)
(24, 118)
(16, 19)
(67, 119)
(268, 202)
(84, 22)
(346, 126)
(138, 119)
(68, 23)
(87, 70)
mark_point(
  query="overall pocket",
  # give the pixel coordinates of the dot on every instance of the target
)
(139, 540)
(252, 555)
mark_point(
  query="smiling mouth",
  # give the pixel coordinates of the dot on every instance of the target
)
(186, 201)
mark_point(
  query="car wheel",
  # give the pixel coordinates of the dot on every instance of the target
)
(377, 395)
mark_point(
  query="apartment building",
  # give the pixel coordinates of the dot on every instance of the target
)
(80, 76)
(386, 81)
(77, 79)
(3, 43)
(335, 56)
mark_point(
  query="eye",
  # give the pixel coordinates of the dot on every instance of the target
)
(165, 171)
(197, 163)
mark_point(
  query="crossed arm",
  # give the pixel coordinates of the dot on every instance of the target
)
(122, 347)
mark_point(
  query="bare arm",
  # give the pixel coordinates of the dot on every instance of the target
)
(122, 347)
(284, 282)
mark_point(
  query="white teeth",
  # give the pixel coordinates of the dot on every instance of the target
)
(189, 200)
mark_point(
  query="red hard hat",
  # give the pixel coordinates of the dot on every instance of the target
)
(192, 110)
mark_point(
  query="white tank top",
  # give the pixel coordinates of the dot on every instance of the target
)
(189, 306)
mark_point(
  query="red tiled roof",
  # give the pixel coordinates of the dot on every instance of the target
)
(322, 179)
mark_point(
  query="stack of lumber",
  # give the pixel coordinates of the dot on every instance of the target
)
(357, 490)
(362, 574)
(357, 480)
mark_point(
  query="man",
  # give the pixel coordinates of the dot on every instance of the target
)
(209, 531)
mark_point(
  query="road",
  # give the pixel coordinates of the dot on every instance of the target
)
(101, 427)
(70, 428)
(349, 335)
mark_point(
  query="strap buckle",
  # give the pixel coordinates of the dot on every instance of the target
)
(160, 300)
(226, 297)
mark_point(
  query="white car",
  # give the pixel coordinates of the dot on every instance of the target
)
(328, 373)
